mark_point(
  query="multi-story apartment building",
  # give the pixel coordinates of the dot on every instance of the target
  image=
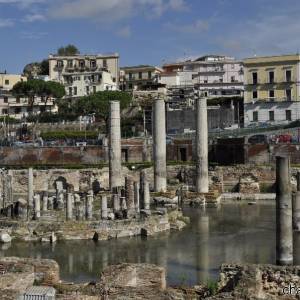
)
(272, 89)
(83, 75)
(215, 75)
(20, 107)
(141, 77)
(7, 81)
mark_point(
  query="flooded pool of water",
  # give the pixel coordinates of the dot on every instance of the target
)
(233, 233)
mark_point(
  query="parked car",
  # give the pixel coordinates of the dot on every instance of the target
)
(258, 139)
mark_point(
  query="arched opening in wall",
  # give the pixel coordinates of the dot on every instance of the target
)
(63, 180)
(96, 186)
(183, 154)
(96, 237)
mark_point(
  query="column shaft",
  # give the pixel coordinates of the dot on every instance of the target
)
(159, 146)
(284, 231)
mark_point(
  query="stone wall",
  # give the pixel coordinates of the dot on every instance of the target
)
(257, 282)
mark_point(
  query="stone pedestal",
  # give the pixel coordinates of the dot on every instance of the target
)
(129, 185)
(89, 207)
(137, 197)
(37, 206)
(30, 187)
(104, 210)
(69, 208)
(45, 201)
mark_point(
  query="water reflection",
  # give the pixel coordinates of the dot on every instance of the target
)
(234, 233)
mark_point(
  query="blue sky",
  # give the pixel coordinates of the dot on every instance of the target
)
(146, 31)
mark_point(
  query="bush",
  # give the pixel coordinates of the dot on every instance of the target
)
(9, 120)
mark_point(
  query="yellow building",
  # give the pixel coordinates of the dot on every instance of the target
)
(7, 81)
(272, 90)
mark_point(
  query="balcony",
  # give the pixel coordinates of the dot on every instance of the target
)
(70, 68)
(58, 68)
(212, 70)
(93, 67)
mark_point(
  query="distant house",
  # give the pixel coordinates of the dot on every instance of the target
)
(7, 81)
(142, 77)
(215, 75)
(83, 75)
(272, 89)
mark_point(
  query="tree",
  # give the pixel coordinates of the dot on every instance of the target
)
(38, 88)
(68, 50)
(97, 103)
(44, 67)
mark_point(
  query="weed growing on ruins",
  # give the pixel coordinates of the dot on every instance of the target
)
(212, 286)
(183, 279)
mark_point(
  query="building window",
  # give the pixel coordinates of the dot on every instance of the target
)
(140, 75)
(254, 77)
(221, 79)
(70, 63)
(5, 99)
(271, 115)
(93, 64)
(60, 63)
(81, 63)
(288, 94)
(94, 89)
(255, 116)
(271, 94)
(17, 99)
(130, 86)
(130, 76)
(271, 77)
(17, 110)
(75, 90)
(288, 75)
(114, 79)
(149, 74)
(254, 94)
(6, 82)
(288, 115)
(70, 91)
(232, 78)
(87, 89)
(4, 111)
(104, 63)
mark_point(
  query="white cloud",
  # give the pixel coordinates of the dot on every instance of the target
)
(34, 18)
(114, 10)
(124, 32)
(274, 32)
(29, 35)
(196, 27)
(6, 23)
(22, 3)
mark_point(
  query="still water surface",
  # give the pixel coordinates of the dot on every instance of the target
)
(233, 233)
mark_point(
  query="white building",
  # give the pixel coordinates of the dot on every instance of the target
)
(215, 75)
(20, 107)
(83, 75)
